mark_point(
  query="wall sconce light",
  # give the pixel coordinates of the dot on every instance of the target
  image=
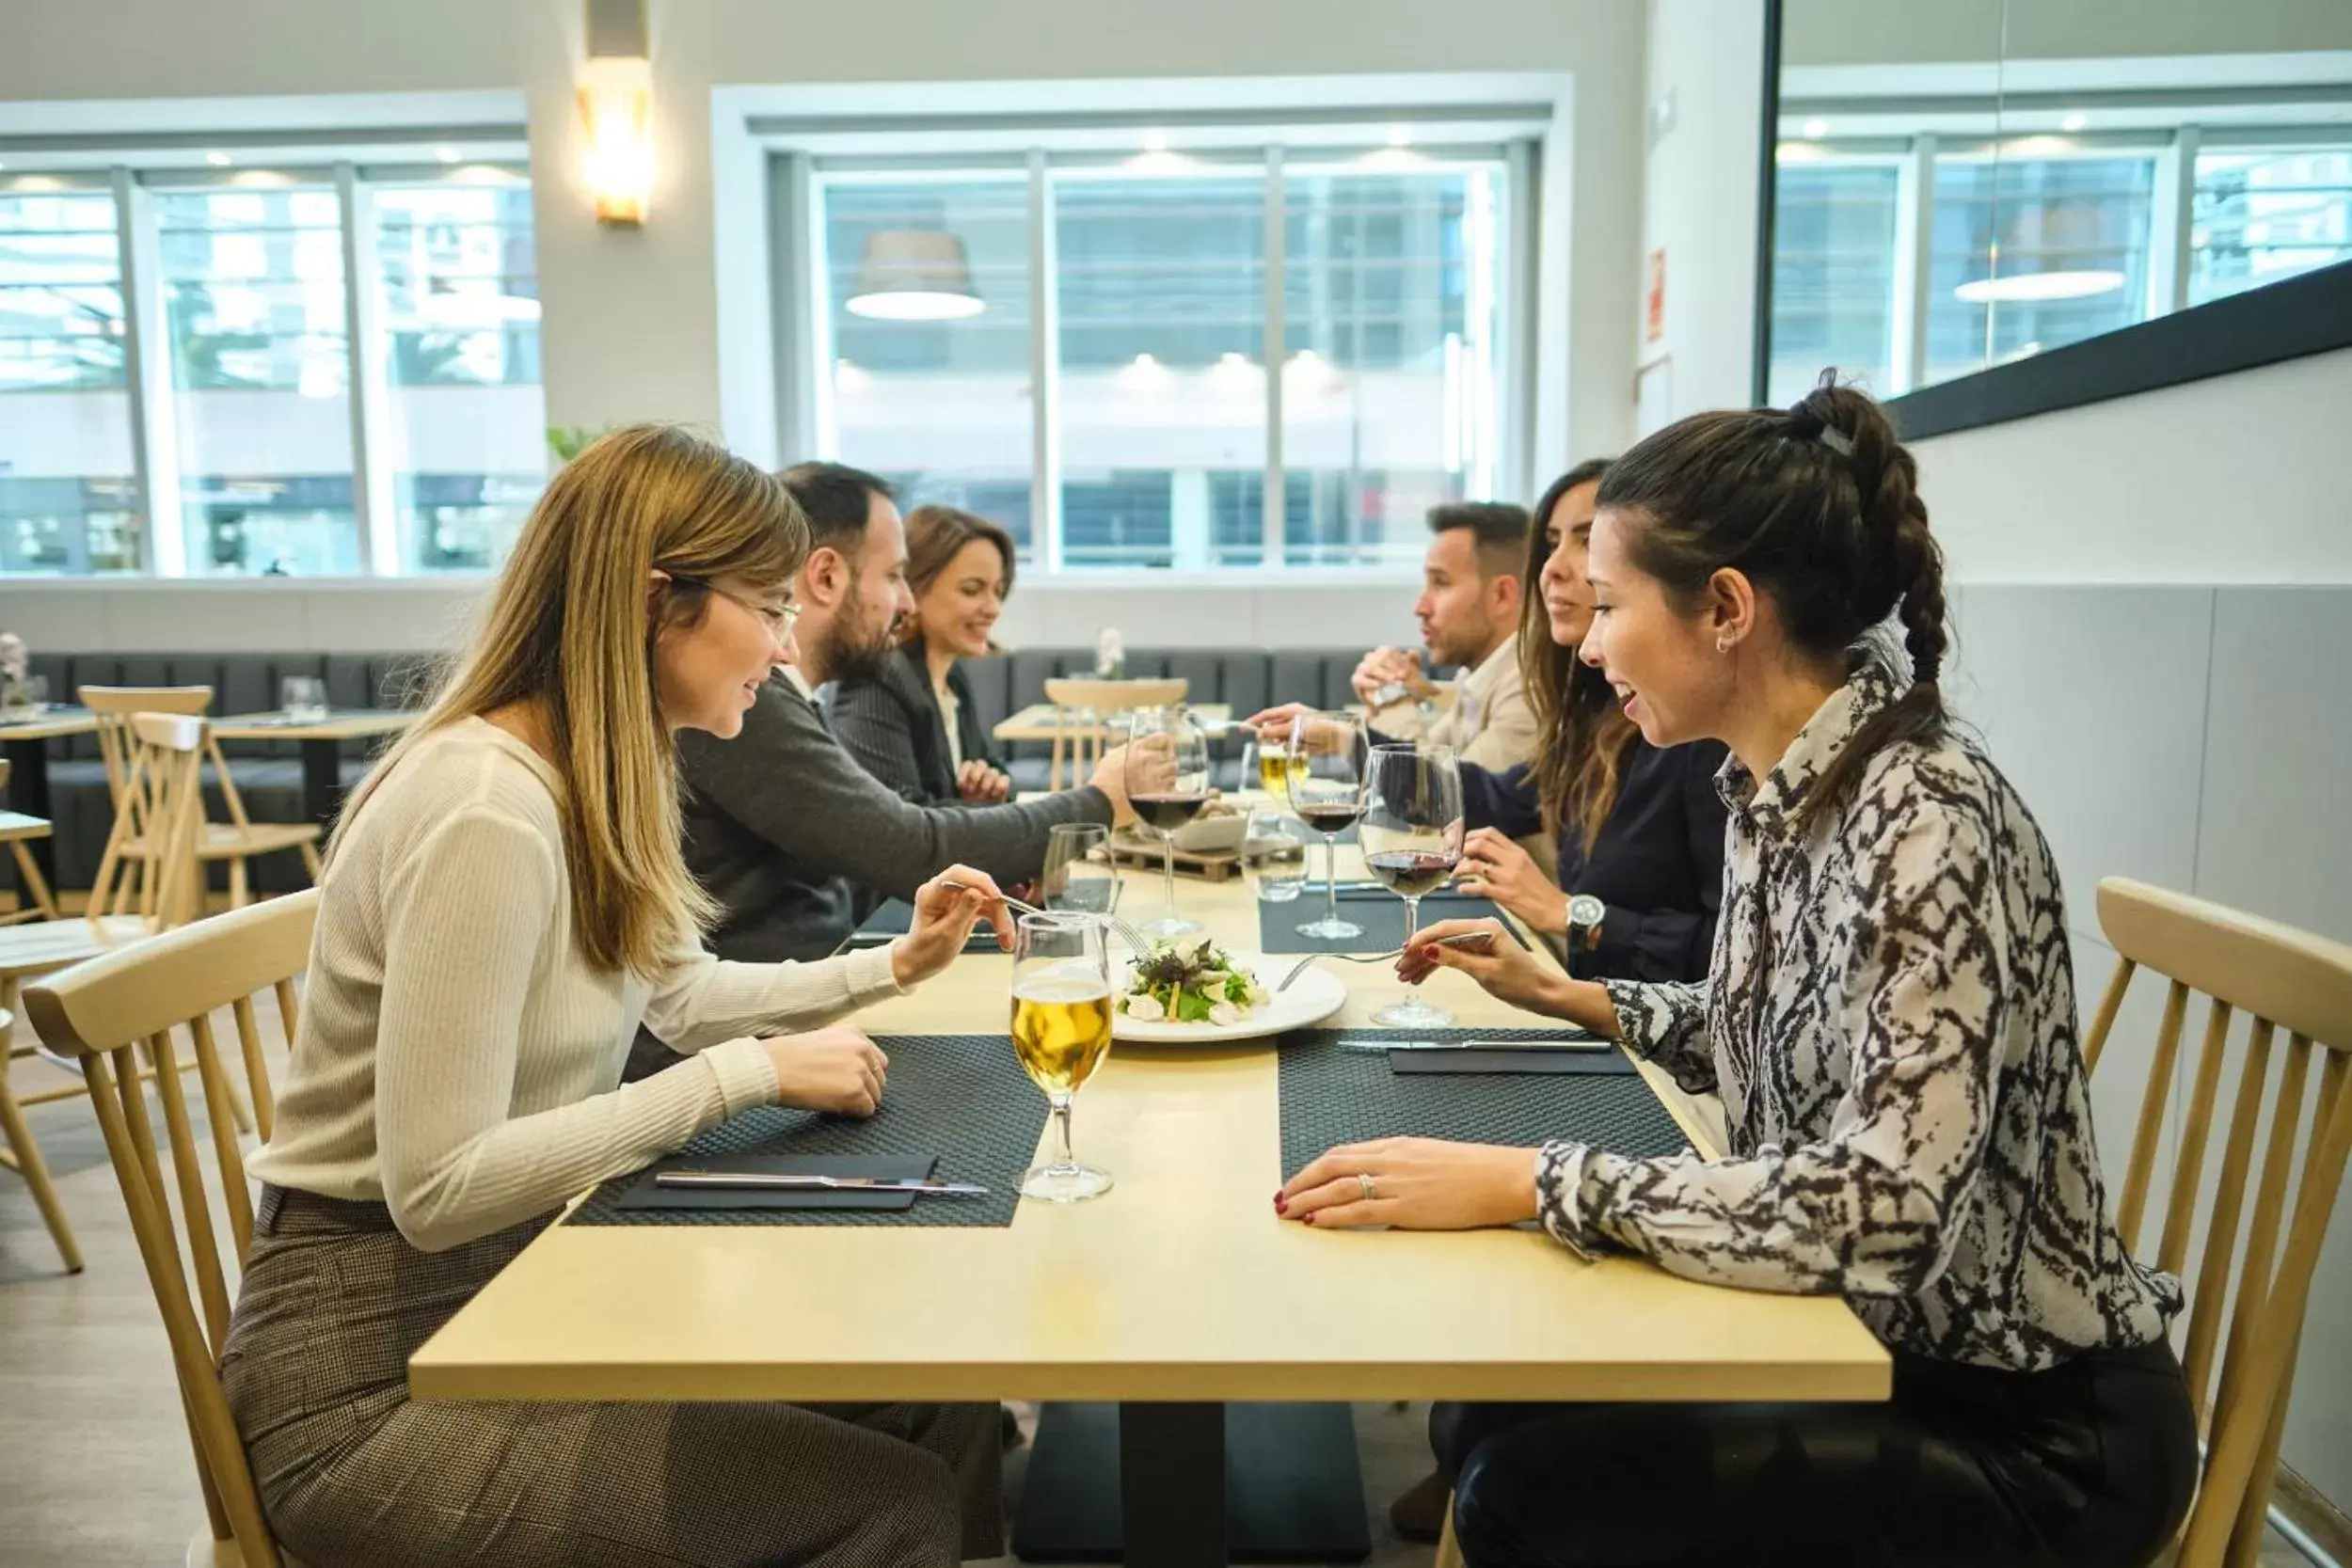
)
(616, 106)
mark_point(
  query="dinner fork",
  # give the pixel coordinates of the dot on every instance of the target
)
(1460, 938)
(1125, 932)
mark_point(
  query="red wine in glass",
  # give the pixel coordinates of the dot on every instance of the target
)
(1328, 816)
(1411, 873)
(1167, 812)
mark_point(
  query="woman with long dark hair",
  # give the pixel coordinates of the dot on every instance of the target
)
(1638, 829)
(1890, 1021)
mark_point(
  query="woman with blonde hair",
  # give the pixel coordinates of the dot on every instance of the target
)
(915, 724)
(504, 901)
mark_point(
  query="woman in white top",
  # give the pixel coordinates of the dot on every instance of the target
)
(504, 902)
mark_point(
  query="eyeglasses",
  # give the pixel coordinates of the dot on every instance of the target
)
(780, 619)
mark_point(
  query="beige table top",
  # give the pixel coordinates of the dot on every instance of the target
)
(357, 723)
(55, 724)
(1180, 1283)
(1036, 722)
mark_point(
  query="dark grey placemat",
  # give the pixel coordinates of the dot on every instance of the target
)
(1380, 915)
(961, 1097)
(1331, 1096)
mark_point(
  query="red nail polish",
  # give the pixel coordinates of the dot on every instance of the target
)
(1282, 1204)
(1311, 1219)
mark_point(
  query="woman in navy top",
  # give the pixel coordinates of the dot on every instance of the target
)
(1639, 829)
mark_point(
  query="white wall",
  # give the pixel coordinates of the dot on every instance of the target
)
(1706, 61)
(2242, 478)
(1853, 32)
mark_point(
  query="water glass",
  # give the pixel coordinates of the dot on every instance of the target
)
(303, 699)
(1273, 856)
(1078, 874)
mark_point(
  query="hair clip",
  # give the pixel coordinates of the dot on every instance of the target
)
(1838, 441)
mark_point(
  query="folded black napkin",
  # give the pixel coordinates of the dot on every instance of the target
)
(899, 1167)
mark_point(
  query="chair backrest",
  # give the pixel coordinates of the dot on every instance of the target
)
(159, 807)
(112, 706)
(1105, 699)
(107, 1011)
(2285, 980)
(1115, 696)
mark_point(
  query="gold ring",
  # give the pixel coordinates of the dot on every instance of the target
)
(1363, 1180)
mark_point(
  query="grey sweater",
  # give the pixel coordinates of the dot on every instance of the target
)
(800, 843)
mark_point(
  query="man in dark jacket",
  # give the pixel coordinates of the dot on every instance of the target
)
(783, 826)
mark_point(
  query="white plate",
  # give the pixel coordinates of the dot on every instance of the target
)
(1312, 997)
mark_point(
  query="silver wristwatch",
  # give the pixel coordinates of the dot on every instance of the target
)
(1585, 917)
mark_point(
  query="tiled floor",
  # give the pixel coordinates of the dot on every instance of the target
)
(94, 1461)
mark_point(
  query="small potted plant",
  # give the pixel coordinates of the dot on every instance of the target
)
(18, 698)
(1110, 655)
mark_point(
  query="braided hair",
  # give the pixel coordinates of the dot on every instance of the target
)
(1818, 506)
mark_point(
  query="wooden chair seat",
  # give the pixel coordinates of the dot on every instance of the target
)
(151, 999)
(223, 841)
(52, 944)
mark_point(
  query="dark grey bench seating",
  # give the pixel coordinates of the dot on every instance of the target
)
(269, 773)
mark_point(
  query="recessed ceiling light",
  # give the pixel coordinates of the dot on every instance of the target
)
(1400, 137)
(1155, 141)
(2073, 122)
(218, 160)
(447, 154)
(1816, 127)
(2066, 283)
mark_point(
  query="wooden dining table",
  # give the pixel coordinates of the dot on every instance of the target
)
(25, 743)
(321, 740)
(1208, 1340)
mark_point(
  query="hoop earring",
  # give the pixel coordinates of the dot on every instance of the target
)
(1722, 644)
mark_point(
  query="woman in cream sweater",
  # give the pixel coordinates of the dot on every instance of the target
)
(504, 903)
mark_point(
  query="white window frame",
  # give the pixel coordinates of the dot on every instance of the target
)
(361, 160)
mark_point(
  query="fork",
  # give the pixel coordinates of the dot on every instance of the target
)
(1464, 939)
(1125, 932)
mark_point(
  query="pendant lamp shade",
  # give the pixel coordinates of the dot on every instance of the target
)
(914, 274)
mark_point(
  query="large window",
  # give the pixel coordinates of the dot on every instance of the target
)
(2028, 245)
(1834, 275)
(1153, 371)
(460, 314)
(67, 501)
(250, 394)
(2265, 215)
(261, 370)
(941, 408)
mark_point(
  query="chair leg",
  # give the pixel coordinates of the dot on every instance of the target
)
(1449, 1549)
(311, 860)
(26, 1154)
(30, 881)
(238, 896)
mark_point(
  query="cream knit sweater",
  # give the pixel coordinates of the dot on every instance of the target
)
(457, 1056)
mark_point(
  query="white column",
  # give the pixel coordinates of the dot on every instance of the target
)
(146, 372)
(372, 459)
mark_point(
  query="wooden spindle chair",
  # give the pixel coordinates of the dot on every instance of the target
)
(1109, 702)
(124, 873)
(34, 901)
(108, 1011)
(168, 748)
(2239, 1349)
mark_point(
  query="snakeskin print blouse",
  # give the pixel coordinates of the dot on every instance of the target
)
(1890, 1021)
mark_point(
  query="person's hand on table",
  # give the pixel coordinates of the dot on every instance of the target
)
(1414, 1184)
(837, 1070)
(981, 784)
(943, 920)
(1495, 868)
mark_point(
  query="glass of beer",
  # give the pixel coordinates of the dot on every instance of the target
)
(1268, 764)
(1061, 1030)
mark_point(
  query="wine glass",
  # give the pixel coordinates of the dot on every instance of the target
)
(1273, 856)
(1326, 791)
(1076, 877)
(1062, 1029)
(1412, 838)
(1167, 783)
